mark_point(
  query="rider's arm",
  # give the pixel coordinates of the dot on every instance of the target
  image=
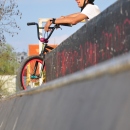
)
(71, 20)
(71, 15)
(66, 20)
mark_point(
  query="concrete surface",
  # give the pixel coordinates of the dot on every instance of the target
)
(96, 98)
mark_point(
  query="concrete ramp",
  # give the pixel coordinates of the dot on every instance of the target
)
(97, 98)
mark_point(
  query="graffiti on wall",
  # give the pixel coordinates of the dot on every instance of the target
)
(113, 44)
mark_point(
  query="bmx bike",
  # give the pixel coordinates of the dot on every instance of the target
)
(32, 71)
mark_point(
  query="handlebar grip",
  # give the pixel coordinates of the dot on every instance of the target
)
(32, 23)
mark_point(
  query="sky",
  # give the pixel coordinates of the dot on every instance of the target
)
(32, 10)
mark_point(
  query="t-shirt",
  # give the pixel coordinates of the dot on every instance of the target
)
(91, 11)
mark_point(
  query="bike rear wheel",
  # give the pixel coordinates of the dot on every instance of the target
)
(31, 74)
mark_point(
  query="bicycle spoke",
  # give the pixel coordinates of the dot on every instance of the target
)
(32, 74)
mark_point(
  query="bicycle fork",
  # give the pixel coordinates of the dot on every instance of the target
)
(34, 76)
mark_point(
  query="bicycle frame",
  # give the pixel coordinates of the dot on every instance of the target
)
(44, 49)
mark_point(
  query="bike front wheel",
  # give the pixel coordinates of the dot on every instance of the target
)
(31, 74)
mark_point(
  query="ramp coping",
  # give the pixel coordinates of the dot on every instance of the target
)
(110, 67)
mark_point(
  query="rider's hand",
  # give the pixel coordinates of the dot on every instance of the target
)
(47, 25)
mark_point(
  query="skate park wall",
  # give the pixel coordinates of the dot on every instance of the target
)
(102, 38)
(97, 98)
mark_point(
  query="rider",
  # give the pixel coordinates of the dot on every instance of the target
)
(88, 11)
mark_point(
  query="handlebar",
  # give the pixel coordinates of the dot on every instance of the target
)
(32, 23)
(52, 28)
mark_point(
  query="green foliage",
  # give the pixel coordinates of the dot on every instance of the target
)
(8, 68)
(8, 60)
(8, 64)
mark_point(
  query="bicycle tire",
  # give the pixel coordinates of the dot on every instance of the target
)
(25, 69)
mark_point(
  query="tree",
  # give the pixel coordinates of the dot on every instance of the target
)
(8, 11)
(8, 68)
(8, 61)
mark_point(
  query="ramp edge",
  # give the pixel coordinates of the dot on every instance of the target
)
(110, 67)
